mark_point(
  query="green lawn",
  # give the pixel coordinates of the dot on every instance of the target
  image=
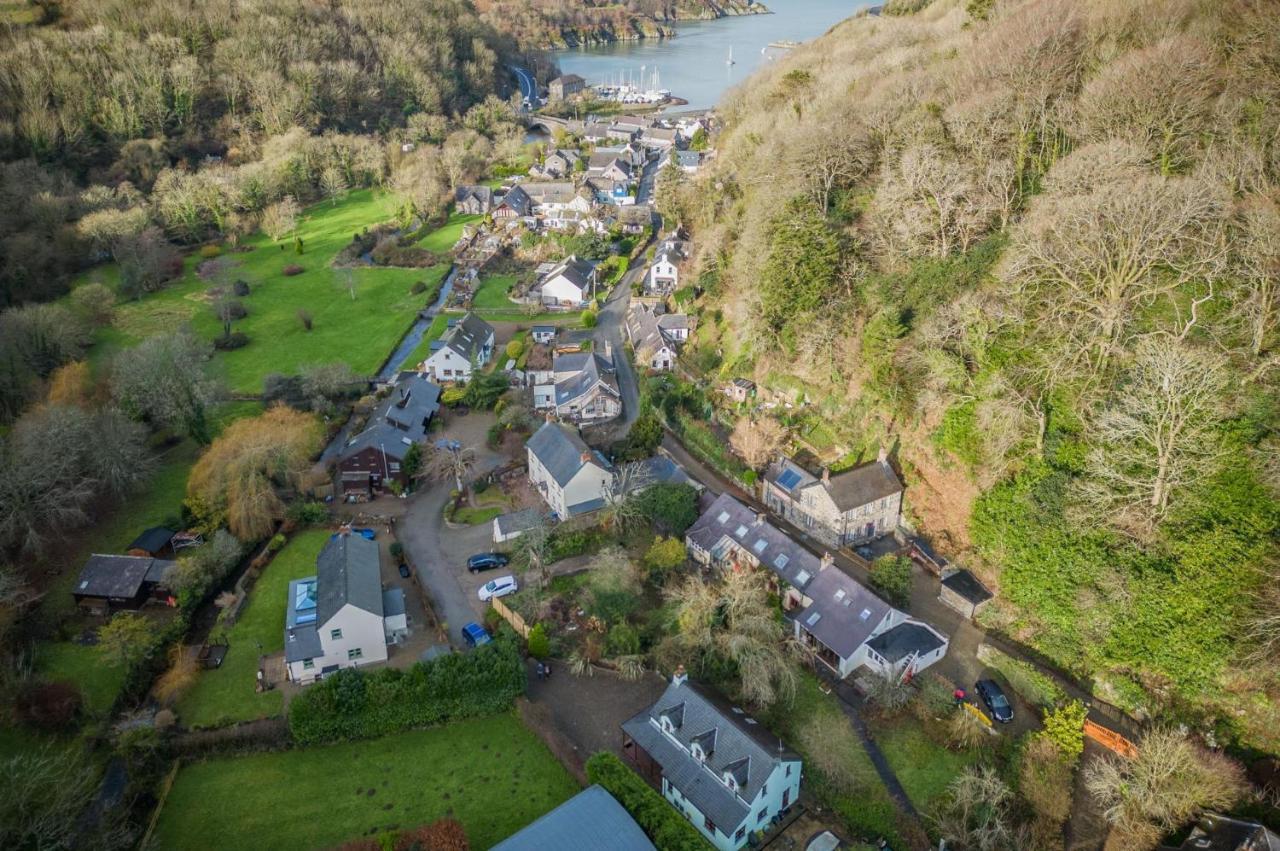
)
(359, 331)
(493, 291)
(420, 352)
(476, 516)
(491, 774)
(84, 666)
(442, 238)
(226, 694)
(924, 768)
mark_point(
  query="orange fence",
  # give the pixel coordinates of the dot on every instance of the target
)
(1110, 739)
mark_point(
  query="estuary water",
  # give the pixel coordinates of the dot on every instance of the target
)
(694, 65)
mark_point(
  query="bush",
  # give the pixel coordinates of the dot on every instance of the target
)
(452, 396)
(514, 349)
(240, 288)
(397, 551)
(208, 252)
(564, 543)
(750, 478)
(308, 513)
(664, 826)
(663, 556)
(418, 288)
(622, 640)
(276, 543)
(291, 270)
(234, 340)
(49, 706)
(588, 319)
(1064, 727)
(670, 509)
(891, 576)
(353, 704)
(1035, 688)
(539, 643)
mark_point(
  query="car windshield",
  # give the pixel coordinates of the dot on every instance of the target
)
(999, 701)
(489, 586)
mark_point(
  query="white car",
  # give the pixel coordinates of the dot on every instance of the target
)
(500, 587)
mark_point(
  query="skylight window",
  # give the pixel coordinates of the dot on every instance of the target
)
(759, 545)
(802, 577)
(813, 618)
(723, 518)
(866, 613)
(781, 561)
(742, 530)
(789, 479)
(840, 594)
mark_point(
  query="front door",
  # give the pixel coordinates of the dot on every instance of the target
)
(786, 798)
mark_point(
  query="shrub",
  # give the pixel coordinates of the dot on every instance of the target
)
(291, 270)
(208, 252)
(564, 543)
(1045, 780)
(277, 541)
(663, 556)
(308, 513)
(671, 509)
(966, 730)
(514, 349)
(353, 704)
(452, 396)
(234, 340)
(418, 288)
(749, 478)
(588, 319)
(622, 640)
(240, 288)
(397, 551)
(539, 643)
(891, 576)
(664, 826)
(49, 706)
(1064, 727)
(304, 317)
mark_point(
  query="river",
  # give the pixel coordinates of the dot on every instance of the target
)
(694, 65)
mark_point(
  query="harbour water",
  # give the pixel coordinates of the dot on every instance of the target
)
(694, 65)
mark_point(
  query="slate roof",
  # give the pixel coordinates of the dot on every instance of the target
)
(688, 159)
(737, 737)
(518, 521)
(661, 470)
(550, 192)
(588, 821)
(577, 272)
(584, 381)
(966, 585)
(1222, 833)
(400, 419)
(906, 638)
(560, 450)
(119, 576)
(393, 602)
(567, 78)
(347, 572)
(301, 643)
(863, 484)
(843, 614)
(780, 552)
(468, 337)
(483, 194)
(660, 134)
(518, 200)
(153, 540)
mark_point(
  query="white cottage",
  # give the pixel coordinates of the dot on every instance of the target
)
(570, 476)
(465, 346)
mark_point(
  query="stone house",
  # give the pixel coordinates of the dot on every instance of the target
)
(852, 507)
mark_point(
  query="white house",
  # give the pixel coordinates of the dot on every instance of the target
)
(543, 333)
(465, 346)
(336, 618)
(727, 774)
(571, 283)
(580, 386)
(843, 621)
(572, 478)
(663, 277)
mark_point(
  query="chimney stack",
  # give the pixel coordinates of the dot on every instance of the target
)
(826, 475)
(883, 455)
(679, 678)
(759, 519)
(585, 457)
(827, 561)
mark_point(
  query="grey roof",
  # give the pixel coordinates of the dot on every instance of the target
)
(302, 643)
(400, 420)
(780, 552)
(561, 451)
(1223, 833)
(965, 584)
(687, 159)
(737, 737)
(578, 272)
(549, 192)
(481, 193)
(661, 470)
(585, 507)
(152, 540)
(588, 821)
(518, 200)
(744, 383)
(567, 78)
(393, 602)
(843, 614)
(863, 484)
(518, 521)
(661, 134)
(468, 336)
(905, 639)
(596, 130)
(119, 576)
(347, 572)
(595, 371)
(540, 329)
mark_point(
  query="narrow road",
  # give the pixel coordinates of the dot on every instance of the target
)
(528, 85)
(609, 328)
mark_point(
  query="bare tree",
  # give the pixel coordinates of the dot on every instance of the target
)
(834, 159)
(977, 813)
(46, 792)
(1257, 244)
(164, 381)
(279, 219)
(1170, 782)
(531, 549)
(622, 509)
(931, 203)
(450, 459)
(1157, 434)
(758, 440)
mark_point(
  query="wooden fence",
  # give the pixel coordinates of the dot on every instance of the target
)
(163, 794)
(513, 618)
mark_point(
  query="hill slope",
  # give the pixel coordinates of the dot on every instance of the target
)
(1034, 246)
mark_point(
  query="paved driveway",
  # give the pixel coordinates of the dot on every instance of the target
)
(609, 328)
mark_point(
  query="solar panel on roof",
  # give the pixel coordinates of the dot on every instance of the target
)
(789, 479)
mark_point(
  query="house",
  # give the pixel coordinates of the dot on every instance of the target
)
(555, 196)
(659, 138)
(582, 387)
(740, 389)
(335, 619)
(609, 166)
(848, 626)
(962, 591)
(473, 200)
(569, 284)
(466, 345)
(688, 161)
(633, 123)
(565, 86)
(543, 334)
(663, 276)
(718, 766)
(560, 163)
(571, 477)
(515, 204)
(612, 192)
(632, 154)
(108, 583)
(588, 821)
(372, 459)
(635, 219)
(596, 131)
(1224, 833)
(860, 504)
(154, 542)
(508, 527)
(656, 337)
(621, 132)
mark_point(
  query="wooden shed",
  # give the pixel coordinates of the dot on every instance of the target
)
(962, 591)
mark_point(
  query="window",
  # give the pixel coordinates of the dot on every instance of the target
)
(788, 774)
(741, 834)
(761, 816)
(801, 578)
(335, 634)
(711, 826)
(354, 653)
(740, 531)
(308, 664)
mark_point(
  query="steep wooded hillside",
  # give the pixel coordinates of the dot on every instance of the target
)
(574, 23)
(1035, 246)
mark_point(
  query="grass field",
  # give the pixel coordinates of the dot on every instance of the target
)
(420, 352)
(358, 331)
(226, 694)
(923, 767)
(493, 291)
(442, 238)
(98, 682)
(491, 774)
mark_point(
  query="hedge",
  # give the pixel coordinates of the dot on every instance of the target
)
(1034, 687)
(665, 827)
(353, 704)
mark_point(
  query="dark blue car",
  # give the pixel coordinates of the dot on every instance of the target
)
(475, 635)
(993, 696)
(486, 561)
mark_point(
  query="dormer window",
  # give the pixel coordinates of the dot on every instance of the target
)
(696, 750)
(730, 782)
(667, 726)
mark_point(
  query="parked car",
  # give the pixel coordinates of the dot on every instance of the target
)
(993, 696)
(865, 552)
(487, 561)
(404, 570)
(500, 587)
(475, 635)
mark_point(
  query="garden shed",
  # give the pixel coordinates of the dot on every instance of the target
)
(962, 591)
